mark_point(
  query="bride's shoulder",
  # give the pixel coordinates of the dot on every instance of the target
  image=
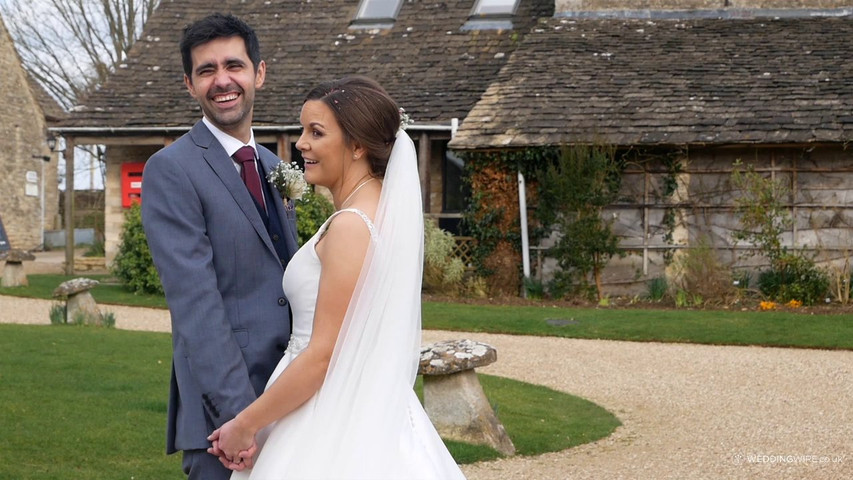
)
(348, 223)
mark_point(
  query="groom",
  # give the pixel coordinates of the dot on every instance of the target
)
(220, 237)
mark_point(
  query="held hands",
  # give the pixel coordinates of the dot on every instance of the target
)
(234, 444)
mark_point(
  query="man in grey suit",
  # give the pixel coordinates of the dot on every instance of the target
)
(220, 241)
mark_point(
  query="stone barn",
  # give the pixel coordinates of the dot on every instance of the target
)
(690, 93)
(28, 182)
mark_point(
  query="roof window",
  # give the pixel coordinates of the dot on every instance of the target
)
(491, 15)
(376, 14)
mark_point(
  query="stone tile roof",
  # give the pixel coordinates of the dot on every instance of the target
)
(705, 81)
(53, 112)
(433, 68)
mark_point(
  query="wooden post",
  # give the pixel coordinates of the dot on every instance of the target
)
(69, 206)
(284, 148)
(423, 169)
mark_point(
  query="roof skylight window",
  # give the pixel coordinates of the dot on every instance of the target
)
(491, 15)
(377, 13)
(490, 8)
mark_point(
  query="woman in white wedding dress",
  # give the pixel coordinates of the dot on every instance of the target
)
(340, 405)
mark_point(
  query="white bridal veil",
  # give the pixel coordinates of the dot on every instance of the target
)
(367, 417)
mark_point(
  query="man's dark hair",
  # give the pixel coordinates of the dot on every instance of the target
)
(218, 26)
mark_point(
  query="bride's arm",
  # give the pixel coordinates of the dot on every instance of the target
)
(341, 252)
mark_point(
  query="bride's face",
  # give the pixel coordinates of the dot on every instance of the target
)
(322, 145)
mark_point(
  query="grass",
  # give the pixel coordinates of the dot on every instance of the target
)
(87, 402)
(716, 327)
(84, 402)
(537, 419)
(108, 292)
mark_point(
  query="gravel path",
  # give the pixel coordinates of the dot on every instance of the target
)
(688, 411)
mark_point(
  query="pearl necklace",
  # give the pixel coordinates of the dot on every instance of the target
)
(343, 204)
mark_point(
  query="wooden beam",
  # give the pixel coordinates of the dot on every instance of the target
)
(69, 205)
(284, 150)
(423, 169)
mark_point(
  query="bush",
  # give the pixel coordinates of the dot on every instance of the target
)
(57, 314)
(795, 278)
(657, 289)
(442, 271)
(702, 276)
(311, 212)
(133, 264)
(573, 192)
(535, 288)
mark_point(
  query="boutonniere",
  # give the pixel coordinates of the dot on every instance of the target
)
(289, 180)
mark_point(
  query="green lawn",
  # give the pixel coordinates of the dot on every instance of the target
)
(88, 402)
(719, 327)
(108, 292)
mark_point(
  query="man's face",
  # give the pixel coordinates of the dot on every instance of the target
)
(224, 82)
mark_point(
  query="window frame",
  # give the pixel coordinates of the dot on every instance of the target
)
(361, 21)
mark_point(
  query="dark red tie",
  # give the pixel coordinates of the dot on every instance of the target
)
(249, 173)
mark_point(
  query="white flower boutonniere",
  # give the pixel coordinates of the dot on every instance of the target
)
(289, 180)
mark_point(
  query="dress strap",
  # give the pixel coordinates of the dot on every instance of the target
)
(370, 227)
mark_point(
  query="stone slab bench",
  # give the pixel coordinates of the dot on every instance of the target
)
(79, 303)
(13, 272)
(453, 397)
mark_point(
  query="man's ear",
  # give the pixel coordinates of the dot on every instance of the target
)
(189, 83)
(260, 75)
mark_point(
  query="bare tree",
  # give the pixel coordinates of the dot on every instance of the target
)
(70, 46)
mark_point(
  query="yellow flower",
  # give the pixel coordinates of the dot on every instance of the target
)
(767, 305)
(795, 304)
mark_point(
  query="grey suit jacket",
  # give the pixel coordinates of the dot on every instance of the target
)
(222, 278)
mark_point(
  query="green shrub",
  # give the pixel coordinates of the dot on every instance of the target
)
(57, 314)
(741, 279)
(133, 264)
(95, 250)
(796, 278)
(442, 271)
(573, 192)
(535, 288)
(108, 319)
(311, 212)
(702, 276)
(657, 289)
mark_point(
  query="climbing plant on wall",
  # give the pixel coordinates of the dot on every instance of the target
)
(574, 190)
(492, 216)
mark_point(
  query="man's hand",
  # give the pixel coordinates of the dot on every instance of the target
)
(235, 447)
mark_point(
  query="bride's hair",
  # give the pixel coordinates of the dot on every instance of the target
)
(366, 113)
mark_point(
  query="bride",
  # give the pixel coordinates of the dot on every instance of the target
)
(340, 404)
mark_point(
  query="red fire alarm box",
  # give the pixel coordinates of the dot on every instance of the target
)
(131, 183)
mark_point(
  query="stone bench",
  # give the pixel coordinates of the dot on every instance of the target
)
(80, 306)
(453, 397)
(13, 272)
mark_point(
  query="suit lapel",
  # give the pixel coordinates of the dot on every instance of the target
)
(223, 166)
(267, 163)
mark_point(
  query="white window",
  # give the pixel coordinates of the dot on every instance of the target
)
(378, 10)
(488, 8)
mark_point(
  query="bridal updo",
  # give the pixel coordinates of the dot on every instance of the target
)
(366, 114)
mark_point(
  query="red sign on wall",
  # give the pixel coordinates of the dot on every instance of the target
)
(131, 183)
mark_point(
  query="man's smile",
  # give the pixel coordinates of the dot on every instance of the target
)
(225, 97)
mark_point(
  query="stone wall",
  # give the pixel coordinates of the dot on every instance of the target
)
(592, 5)
(702, 211)
(22, 144)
